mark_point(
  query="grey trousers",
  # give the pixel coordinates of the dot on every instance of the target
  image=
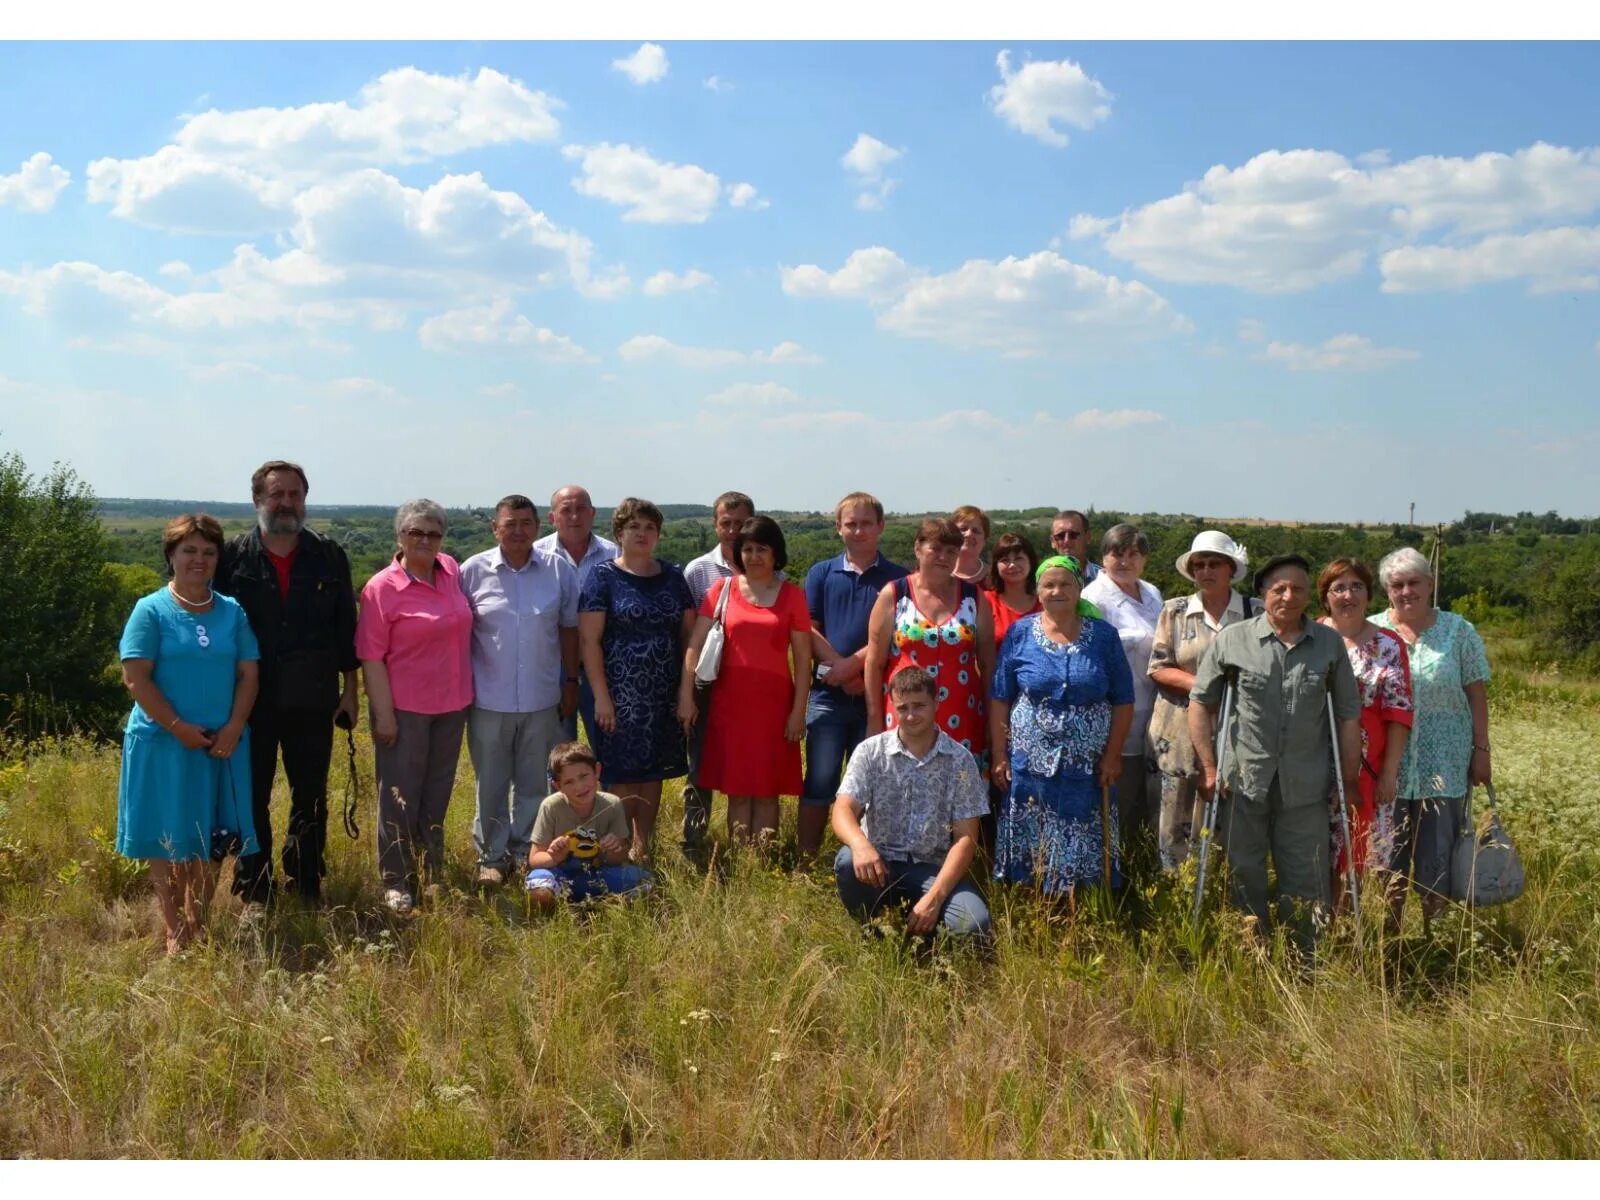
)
(415, 776)
(1182, 813)
(1138, 800)
(1297, 839)
(511, 757)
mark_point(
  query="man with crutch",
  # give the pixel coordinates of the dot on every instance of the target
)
(1289, 676)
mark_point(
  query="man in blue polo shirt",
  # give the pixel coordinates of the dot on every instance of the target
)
(840, 593)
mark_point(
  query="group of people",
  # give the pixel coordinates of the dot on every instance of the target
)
(1039, 707)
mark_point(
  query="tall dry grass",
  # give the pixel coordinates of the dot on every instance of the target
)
(741, 1013)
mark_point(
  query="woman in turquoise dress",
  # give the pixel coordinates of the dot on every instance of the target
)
(189, 658)
(1061, 707)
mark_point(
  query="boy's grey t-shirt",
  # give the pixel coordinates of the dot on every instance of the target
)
(556, 818)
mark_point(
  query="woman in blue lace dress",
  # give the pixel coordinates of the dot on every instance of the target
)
(1061, 707)
(635, 615)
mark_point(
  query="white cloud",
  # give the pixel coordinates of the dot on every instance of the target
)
(653, 192)
(756, 395)
(1566, 259)
(185, 192)
(652, 346)
(1091, 419)
(665, 283)
(1018, 307)
(35, 185)
(743, 195)
(647, 64)
(715, 83)
(1252, 329)
(1291, 220)
(497, 327)
(176, 269)
(501, 391)
(1343, 352)
(868, 159)
(1039, 94)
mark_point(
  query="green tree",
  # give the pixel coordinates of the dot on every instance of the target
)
(60, 603)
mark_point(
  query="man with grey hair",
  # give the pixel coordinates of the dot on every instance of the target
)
(574, 539)
(524, 678)
(294, 585)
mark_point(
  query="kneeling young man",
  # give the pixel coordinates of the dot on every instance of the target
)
(581, 835)
(907, 813)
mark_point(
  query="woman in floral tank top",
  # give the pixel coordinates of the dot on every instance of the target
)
(934, 621)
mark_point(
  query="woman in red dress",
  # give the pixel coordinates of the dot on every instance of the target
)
(752, 741)
(937, 622)
(1383, 673)
(1011, 594)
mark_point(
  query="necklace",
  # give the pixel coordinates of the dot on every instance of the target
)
(192, 605)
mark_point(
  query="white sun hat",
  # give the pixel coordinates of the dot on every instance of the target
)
(1214, 541)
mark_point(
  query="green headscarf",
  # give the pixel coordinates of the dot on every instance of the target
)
(1066, 562)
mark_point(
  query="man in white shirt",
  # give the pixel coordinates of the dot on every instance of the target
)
(574, 539)
(524, 677)
(731, 510)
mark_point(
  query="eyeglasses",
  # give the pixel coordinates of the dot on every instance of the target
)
(424, 535)
(1353, 588)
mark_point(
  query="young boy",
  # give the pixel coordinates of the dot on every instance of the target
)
(581, 835)
(907, 814)
(840, 593)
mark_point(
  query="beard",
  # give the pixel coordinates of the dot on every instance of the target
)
(278, 522)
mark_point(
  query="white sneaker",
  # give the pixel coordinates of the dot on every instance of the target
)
(399, 903)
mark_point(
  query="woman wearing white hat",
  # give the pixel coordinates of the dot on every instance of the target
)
(1183, 634)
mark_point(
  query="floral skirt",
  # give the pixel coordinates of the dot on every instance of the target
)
(1050, 833)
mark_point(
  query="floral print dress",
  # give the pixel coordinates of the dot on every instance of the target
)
(1383, 676)
(1061, 700)
(949, 652)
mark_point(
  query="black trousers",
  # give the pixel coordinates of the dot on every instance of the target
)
(306, 739)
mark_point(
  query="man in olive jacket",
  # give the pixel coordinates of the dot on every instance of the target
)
(294, 585)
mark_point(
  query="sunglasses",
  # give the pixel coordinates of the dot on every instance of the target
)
(1068, 535)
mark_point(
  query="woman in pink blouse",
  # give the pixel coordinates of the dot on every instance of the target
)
(414, 640)
(1383, 674)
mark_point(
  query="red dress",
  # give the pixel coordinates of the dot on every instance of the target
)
(1383, 673)
(948, 652)
(1005, 616)
(745, 752)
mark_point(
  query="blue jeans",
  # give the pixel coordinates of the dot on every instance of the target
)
(577, 882)
(835, 726)
(964, 914)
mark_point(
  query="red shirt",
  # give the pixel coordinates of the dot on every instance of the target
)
(1005, 616)
(422, 634)
(282, 566)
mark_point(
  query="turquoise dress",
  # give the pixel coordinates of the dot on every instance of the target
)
(174, 803)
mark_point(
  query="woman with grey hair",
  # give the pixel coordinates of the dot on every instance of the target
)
(414, 640)
(1131, 606)
(1448, 752)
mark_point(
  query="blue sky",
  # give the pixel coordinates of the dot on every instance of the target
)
(1286, 280)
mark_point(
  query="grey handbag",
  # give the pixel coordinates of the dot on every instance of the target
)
(1484, 867)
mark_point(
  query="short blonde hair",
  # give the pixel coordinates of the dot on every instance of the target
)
(859, 500)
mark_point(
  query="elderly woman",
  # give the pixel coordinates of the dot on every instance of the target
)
(1383, 676)
(1131, 607)
(190, 660)
(932, 620)
(973, 523)
(1448, 751)
(414, 640)
(1183, 634)
(635, 616)
(1060, 706)
(1011, 593)
(752, 743)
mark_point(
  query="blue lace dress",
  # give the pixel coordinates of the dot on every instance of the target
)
(643, 652)
(1061, 699)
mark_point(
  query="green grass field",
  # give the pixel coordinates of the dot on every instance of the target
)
(741, 1013)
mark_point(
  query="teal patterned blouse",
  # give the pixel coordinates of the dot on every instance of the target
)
(1444, 660)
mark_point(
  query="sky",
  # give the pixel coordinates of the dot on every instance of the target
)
(1286, 280)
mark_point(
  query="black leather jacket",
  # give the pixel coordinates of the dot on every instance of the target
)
(308, 641)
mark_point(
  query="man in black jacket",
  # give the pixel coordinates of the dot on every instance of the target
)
(294, 586)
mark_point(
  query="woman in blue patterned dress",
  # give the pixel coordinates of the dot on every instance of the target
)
(189, 658)
(635, 615)
(1061, 704)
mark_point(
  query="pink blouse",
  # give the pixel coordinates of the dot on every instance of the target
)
(422, 633)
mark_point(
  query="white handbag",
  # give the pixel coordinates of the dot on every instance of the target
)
(710, 662)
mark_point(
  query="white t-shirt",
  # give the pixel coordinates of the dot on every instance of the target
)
(1135, 623)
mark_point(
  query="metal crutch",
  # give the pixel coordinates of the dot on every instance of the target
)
(1344, 817)
(1208, 828)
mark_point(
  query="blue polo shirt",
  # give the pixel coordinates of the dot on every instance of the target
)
(840, 599)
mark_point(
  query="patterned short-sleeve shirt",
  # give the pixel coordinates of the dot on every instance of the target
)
(1444, 661)
(908, 803)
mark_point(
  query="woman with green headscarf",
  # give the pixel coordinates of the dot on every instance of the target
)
(1061, 704)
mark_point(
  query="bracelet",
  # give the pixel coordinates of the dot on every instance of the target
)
(1481, 749)
(176, 721)
(570, 679)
